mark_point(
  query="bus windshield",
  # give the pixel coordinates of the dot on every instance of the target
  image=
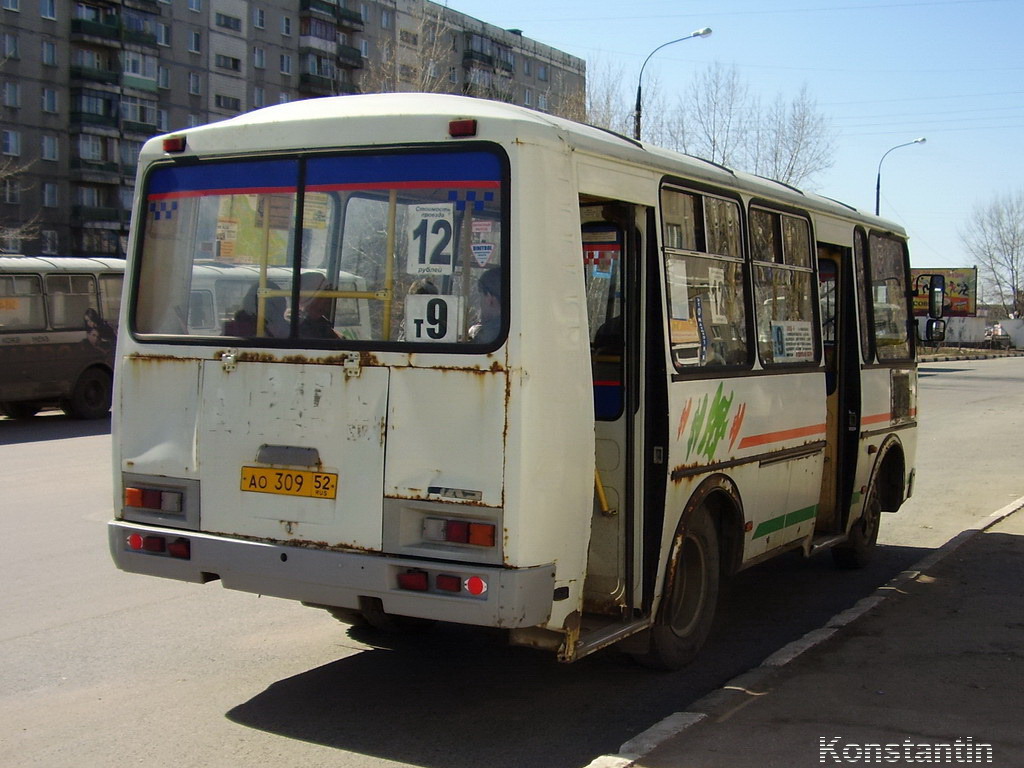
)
(381, 249)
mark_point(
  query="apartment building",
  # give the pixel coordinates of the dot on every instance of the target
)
(84, 84)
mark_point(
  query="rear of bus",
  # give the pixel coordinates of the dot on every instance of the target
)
(315, 398)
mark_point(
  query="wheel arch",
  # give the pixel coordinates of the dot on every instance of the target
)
(889, 475)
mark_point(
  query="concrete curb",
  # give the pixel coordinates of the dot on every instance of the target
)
(746, 688)
(952, 357)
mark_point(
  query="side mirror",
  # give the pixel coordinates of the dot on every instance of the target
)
(936, 299)
(935, 329)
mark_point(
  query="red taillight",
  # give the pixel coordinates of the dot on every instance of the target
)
(460, 128)
(475, 585)
(154, 543)
(154, 499)
(135, 542)
(448, 583)
(174, 144)
(459, 532)
(413, 580)
(180, 548)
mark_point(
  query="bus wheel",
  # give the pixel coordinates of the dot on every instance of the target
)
(687, 613)
(91, 397)
(23, 409)
(860, 546)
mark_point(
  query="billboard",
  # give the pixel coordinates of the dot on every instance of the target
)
(961, 291)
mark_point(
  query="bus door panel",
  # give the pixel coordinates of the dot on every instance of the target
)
(842, 386)
(604, 258)
(273, 457)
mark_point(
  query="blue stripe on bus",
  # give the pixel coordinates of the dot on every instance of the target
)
(402, 169)
(279, 175)
(463, 169)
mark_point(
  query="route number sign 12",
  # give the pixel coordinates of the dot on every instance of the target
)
(431, 237)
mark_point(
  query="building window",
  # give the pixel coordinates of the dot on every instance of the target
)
(542, 72)
(542, 101)
(193, 121)
(139, 65)
(162, 121)
(227, 102)
(282, 98)
(195, 84)
(259, 58)
(50, 196)
(364, 48)
(385, 18)
(11, 5)
(195, 43)
(10, 49)
(136, 110)
(259, 97)
(49, 150)
(409, 38)
(195, 5)
(286, 25)
(259, 18)
(91, 147)
(48, 9)
(50, 242)
(453, 75)
(12, 243)
(12, 143)
(286, 64)
(228, 22)
(228, 62)
(163, 34)
(12, 94)
(163, 77)
(527, 67)
(49, 100)
(49, 53)
(364, 12)
(528, 97)
(12, 191)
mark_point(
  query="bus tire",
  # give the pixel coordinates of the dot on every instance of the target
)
(90, 399)
(21, 409)
(860, 545)
(688, 611)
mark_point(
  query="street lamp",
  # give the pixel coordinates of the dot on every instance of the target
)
(639, 83)
(878, 179)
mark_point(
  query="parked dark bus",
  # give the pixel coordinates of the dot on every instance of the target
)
(58, 328)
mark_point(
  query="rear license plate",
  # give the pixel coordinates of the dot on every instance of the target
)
(290, 482)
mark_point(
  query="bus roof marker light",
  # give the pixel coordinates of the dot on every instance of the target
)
(460, 128)
(174, 144)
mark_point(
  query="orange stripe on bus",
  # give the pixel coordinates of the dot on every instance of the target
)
(778, 437)
(877, 418)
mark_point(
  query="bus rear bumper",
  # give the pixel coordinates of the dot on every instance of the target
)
(471, 594)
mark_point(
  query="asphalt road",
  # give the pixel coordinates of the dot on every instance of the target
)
(103, 668)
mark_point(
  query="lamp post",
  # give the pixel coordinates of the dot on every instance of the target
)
(639, 83)
(878, 179)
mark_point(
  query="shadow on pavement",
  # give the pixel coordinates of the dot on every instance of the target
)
(454, 697)
(49, 425)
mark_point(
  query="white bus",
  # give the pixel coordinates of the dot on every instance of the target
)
(58, 327)
(548, 379)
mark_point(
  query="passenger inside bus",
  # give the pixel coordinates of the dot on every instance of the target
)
(489, 288)
(245, 322)
(315, 322)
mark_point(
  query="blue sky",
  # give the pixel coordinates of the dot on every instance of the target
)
(884, 71)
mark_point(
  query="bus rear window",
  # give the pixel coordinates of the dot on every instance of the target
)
(383, 249)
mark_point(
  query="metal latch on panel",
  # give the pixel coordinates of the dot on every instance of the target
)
(351, 364)
(229, 359)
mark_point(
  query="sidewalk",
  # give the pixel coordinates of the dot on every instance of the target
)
(937, 657)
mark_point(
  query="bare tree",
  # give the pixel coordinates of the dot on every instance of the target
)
(994, 236)
(712, 116)
(11, 186)
(791, 141)
(417, 58)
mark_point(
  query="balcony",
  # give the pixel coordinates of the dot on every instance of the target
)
(89, 118)
(349, 56)
(475, 57)
(345, 89)
(104, 32)
(329, 10)
(139, 37)
(93, 213)
(143, 129)
(349, 19)
(317, 84)
(94, 75)
(95, 171)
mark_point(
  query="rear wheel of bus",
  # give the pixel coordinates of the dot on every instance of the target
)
(688, 610)
(90, 399)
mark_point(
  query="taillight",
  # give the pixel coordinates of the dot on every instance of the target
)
(416, 580)
(178, 547)
(154, 499)
(458, 532)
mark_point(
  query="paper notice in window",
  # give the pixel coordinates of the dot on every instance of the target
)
(792, 342)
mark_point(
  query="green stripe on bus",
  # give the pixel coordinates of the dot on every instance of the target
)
(786, 520)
